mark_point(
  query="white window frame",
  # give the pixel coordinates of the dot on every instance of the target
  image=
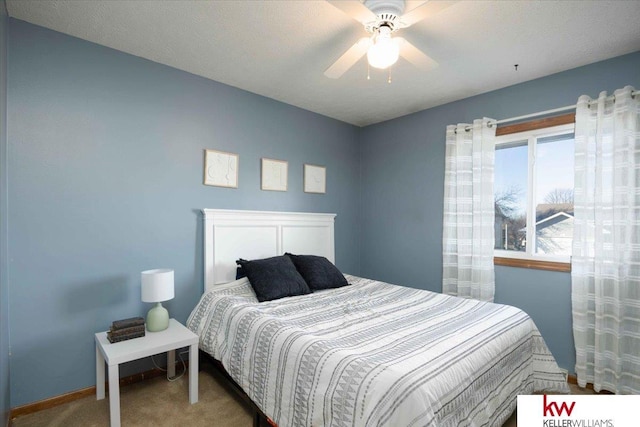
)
(531, 136)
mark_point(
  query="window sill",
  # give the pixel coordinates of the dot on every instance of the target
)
(531, 263)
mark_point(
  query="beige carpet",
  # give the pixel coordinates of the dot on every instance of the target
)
(157, 402)
(154, 402)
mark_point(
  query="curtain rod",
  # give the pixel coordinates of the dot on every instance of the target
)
(555, 110)
(540, 113)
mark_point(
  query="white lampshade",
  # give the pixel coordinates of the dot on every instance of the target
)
(384, 52)
(157, 285)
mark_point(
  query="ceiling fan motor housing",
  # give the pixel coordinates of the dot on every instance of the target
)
(388, 13)
(394, 7)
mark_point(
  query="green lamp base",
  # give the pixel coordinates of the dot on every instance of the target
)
(157, 318)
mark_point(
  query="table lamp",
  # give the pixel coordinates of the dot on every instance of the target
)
(157, 286)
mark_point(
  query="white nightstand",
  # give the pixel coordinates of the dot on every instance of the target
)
(174, 337)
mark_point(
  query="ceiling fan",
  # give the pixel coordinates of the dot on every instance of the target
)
(381, 19)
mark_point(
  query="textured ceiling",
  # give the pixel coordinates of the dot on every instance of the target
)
(280, 49)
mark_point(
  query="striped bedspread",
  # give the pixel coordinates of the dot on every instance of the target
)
(375, 354)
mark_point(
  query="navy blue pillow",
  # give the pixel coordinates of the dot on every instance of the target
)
(318, 272)
(240, 273)
(274, 278)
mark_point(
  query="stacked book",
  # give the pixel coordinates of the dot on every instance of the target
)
(126, 329)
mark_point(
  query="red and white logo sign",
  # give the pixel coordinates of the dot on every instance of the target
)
(550, 408)
(578, 411)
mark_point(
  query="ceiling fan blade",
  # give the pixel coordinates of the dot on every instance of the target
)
(350, 57)
(415, 55)
(429, 8)
(354, 9)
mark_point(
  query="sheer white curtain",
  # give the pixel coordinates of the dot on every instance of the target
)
(469, 210)
(605, 266)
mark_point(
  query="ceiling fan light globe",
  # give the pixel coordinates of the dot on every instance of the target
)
(383, 54)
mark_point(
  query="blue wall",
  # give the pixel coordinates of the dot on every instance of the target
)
(4, 285)
(106, 156)
(403, 188)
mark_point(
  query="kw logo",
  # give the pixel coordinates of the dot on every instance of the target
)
(548, 408)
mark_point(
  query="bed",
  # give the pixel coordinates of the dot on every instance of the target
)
(366, 354)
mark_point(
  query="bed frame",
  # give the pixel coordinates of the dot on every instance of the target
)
(233, 234)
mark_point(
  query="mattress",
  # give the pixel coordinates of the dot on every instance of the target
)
(375, 354)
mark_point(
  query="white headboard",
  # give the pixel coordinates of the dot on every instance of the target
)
(233, 234)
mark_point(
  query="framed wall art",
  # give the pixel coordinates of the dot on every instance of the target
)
(274, 175)
(221, 169)
(315, 178)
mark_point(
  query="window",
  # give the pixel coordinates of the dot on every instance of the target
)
(533, 195)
